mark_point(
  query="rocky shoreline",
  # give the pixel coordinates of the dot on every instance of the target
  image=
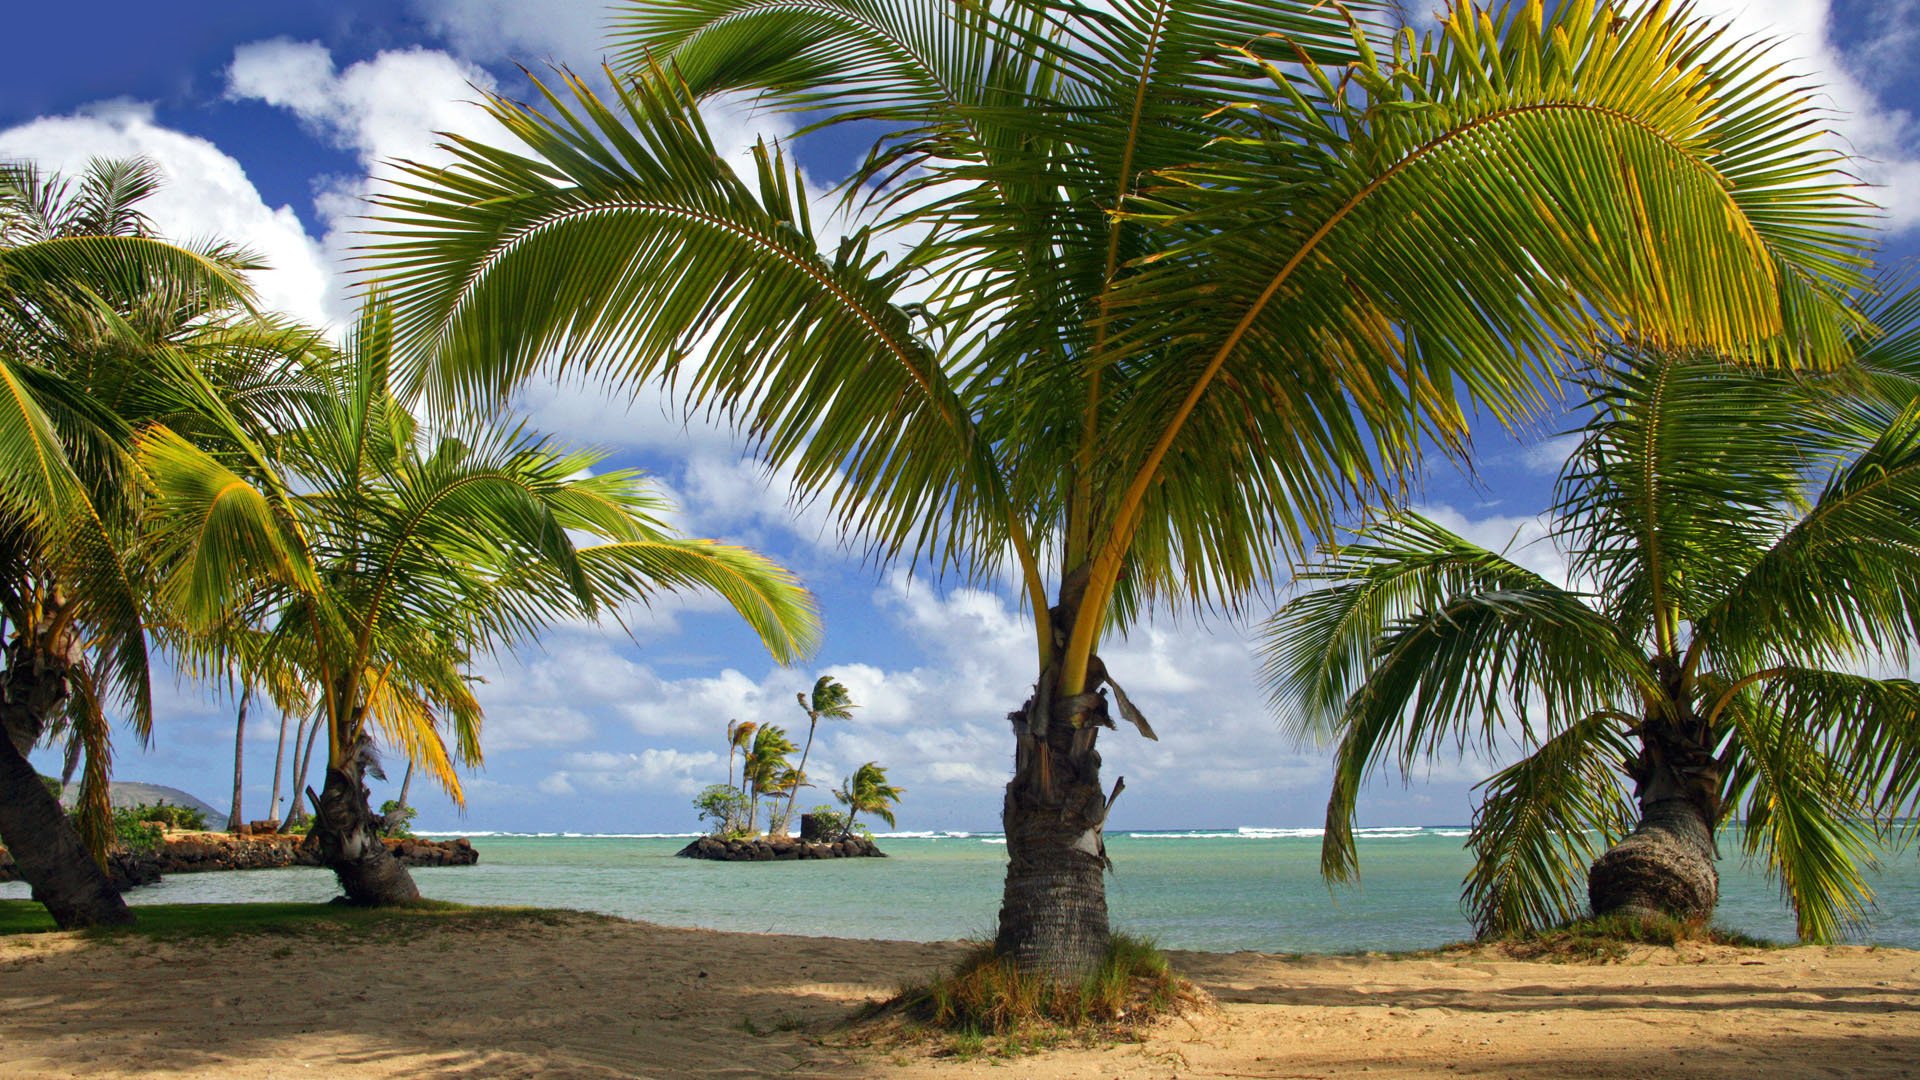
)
(206, 852)
(780, 849)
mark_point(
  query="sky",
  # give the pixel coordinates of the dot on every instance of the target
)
(268, 119)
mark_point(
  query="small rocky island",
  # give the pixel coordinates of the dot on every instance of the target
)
(812, 843)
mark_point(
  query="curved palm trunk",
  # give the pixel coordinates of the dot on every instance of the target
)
(813, 721)
(1053, 911)
(302, 763)
(36, 831)
(348, 834)
(1665, 867)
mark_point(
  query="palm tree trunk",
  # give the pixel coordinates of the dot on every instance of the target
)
(1053, 912)
(279, 760)
(813, 721)
(44, 844)
(1665, 867)
(348, 834)
(406, 782)
(234, 821)
(302, 763)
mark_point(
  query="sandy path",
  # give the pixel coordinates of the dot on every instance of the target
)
(594, 997)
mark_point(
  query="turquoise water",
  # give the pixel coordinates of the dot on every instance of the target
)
(1245, 889)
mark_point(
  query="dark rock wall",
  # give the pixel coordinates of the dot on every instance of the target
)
(780, 849)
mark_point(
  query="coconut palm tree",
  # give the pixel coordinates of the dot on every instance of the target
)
(830, 700)
(1742, 546)
(385, 560)
(105, 331)
(1173, 280)
(766, 770)
(867, 789)
(739, 738)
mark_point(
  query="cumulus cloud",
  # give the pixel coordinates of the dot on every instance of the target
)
(652, 769)
(1885, 138)
(207, 194)
(388, 108)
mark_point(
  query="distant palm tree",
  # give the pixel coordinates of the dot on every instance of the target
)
(1154, 289)
(830, 700)
(867, 790)
(766, 771)
(106, 332)
(385, 558)
(739, 737)
(1751, 542)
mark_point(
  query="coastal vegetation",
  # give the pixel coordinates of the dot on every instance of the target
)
(382, 562)
(765, 774)
(1740, 558)
(106, 332)
(1136, 298)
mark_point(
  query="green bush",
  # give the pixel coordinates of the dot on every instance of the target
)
(396, 820)
(725, 807)
(829, 821)
(135, 832)
(170, 815)
(53, 786)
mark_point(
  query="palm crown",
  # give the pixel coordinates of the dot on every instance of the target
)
(1748, 547)
(1178, 277)
(383, 560)
(106, 331)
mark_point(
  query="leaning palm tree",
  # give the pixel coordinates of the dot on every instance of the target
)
(1175, 279)
(829, 700)
(105, 331)
(1740, 549)
(867, 789)
(739, 738)
(766, 770)
(386, 560)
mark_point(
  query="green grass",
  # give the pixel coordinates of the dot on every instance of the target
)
(986, 1006)
(217, 921)
(1612, 937)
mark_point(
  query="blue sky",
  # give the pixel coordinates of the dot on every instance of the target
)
(268, 118)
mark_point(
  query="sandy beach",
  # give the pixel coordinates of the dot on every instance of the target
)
(588, 996)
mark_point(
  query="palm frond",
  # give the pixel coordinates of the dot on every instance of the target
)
(1541, 822)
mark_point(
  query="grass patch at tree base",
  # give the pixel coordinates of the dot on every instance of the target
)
(987, 1006)
(217, 921)
(1608, 939)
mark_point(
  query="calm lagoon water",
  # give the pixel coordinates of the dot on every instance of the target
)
(1233, 889)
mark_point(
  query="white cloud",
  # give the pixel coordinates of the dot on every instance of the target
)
(1885, 139)
(207, 194)
(652, 768)
(568, 32)
(389, 108)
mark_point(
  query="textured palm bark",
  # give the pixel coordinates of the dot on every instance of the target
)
(1053, 911)
(49, 852)
(48, 849)
(348, 834)
(1665, 867)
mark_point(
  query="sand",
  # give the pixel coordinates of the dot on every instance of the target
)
(584, 996)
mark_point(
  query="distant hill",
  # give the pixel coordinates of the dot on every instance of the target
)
(134, 793)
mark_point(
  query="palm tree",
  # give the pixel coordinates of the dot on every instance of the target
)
(234, 818)
(1711, 672)
(386, 560)
(831, 700)
(739, 737)
(766, 770)
(1180, 278)
(867, 789)
(105, 332)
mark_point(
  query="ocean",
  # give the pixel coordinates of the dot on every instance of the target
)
(1216, 890)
